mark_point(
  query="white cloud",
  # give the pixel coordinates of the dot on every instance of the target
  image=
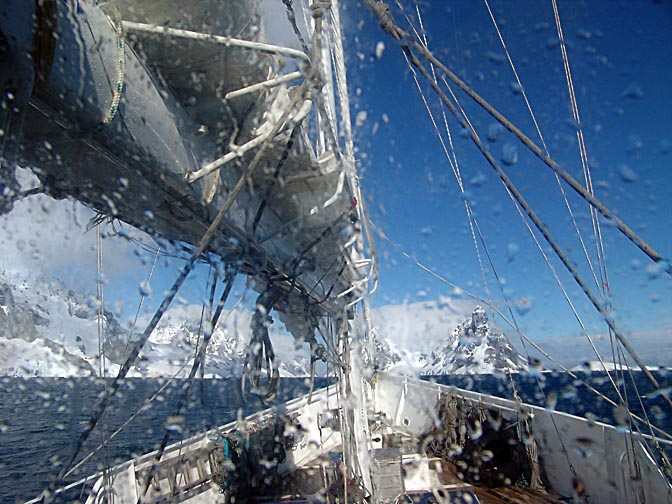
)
(651, 344)
(418, 327)
(42, 235)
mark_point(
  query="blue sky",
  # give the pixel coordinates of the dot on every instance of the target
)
(621, 61)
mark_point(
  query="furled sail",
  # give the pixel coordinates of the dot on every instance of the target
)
(164, 121)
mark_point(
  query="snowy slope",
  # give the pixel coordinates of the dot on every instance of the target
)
(48, 330)
(45, 330)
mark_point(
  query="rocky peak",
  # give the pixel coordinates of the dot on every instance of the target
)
(479, 319)
(475, 348)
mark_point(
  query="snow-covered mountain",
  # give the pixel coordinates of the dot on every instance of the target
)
(27, 316)
(475, 348)
(467, 347)
(49, 330)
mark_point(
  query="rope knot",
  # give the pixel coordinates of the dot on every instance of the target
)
(318, 7)
(385, 19)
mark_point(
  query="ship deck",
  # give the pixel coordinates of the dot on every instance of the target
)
(322, 484)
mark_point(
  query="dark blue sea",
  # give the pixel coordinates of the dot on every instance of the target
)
(41, 417)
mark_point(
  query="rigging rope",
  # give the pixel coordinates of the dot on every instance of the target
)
(407, 45)
(140, 410)
(543, 142)
(661, 453)
(472, 224)
(101, 345)
(212, 285)
(603, 284)
(142, 299)
(186, 387)
(531, 342)
(100, 302)
(187, 268)
(451, 161)
(586, 169)
(407, 52)
(565, 295)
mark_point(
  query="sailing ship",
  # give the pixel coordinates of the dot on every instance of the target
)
(194, 128)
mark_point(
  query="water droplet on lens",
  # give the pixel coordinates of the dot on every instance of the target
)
(655, 270)
(479, 180)
(510, 154)
(665, 147)
(573, 124)
(627, 174)
(380, 48)
(494, 132)
(512, 250)
(475, 429)
(551, 400)
(535, 366)
(360, 118)
(516, 88)
(633, 91)
(621, 417)
(175, 423)
(523, 305)
(145, 289)
(634, 144)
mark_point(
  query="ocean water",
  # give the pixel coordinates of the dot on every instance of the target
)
(41, 417)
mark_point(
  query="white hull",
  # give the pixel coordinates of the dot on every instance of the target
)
(590, 462)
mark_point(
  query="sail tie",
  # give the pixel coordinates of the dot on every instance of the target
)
(318, 7)
(261, 354)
